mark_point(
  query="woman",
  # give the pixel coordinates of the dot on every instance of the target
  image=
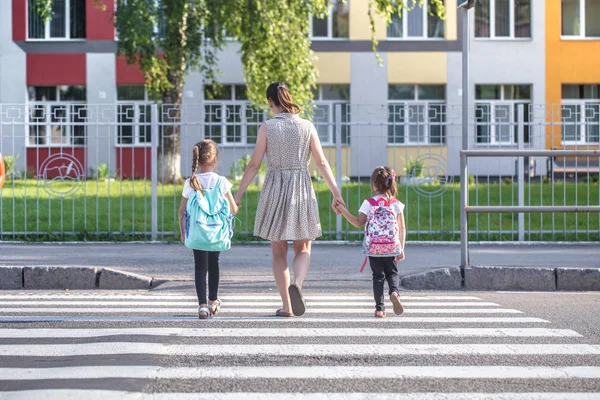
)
(287, 210)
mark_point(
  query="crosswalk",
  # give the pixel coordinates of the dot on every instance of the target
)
(141, 345)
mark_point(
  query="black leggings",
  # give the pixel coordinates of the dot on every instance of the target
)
(206, 262)
(384, 268)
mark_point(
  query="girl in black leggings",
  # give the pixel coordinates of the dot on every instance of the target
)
(206, 262)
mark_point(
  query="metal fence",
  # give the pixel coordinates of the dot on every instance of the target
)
(82, 171)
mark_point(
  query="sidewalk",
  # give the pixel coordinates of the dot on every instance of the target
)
(252, 263)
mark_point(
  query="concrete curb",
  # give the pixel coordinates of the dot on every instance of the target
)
(502, 278)
(490, 278)
(73, 278)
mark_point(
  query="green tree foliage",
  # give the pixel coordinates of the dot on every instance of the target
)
(169, 38)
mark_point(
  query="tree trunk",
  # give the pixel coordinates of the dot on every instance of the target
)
(169, 148)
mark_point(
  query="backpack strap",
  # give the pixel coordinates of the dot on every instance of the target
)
(363, 264)
(375, 202)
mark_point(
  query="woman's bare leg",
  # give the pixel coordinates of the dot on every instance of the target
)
(281, 272)
(301, 261)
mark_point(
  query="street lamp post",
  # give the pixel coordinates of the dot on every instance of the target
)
(465, 6)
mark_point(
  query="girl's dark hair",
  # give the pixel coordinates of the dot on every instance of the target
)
(384, 181)
(205, 153)
(279, 94)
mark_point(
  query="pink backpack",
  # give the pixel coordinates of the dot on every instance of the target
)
(382, 234)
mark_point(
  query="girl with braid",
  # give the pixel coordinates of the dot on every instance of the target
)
(206, 262)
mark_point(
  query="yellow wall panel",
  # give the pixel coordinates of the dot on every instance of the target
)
(398, 156)
(567, 62)
(333, 67)
(451, 21)
(329, 152)
(360, 26)
(417, 67)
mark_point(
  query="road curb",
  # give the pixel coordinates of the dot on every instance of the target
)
(476, 278)
(72, 278)
(503, 278)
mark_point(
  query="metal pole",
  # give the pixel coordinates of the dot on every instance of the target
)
(338, 164)
(464, 165)
(520, 171)
(154, 172)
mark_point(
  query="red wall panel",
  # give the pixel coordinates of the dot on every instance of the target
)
(133, 162)
(128, 74)
(37, 155)
(19, 19)
(56, 69)
(99, 23)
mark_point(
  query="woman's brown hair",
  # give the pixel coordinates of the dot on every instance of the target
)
(280, 95)
(384, 181)
(205, 153)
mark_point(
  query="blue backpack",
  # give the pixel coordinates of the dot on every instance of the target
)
(208, 221)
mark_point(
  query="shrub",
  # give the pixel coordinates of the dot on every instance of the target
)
(238, 168)
(9, 165)
(508, 180)
(414, 167)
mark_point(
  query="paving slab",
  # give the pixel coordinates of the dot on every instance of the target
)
(578, 279)
(47, 277)
(113, 279)
(11, 277)
(510, 278)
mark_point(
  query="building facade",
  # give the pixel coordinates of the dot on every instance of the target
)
(530, 55)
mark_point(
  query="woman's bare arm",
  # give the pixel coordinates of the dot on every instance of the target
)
(324, 168)
(254, 165)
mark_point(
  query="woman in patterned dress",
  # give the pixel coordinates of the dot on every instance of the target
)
(287, 209)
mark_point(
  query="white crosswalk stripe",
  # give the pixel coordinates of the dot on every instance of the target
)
(136, 342)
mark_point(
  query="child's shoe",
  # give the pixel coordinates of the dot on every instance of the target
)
(379, 314)
(398, 307)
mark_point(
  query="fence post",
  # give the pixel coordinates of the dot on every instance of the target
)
(154, 171)
(464, 164)
(338, 164)
(521, 170)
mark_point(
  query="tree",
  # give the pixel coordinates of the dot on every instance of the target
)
(169, 38)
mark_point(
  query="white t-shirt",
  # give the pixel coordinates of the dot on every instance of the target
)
(208, 180)
(365, 208)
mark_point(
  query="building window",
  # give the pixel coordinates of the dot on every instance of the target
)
(327, 98)
(496, 113)
(67, 22)
(416, 114)
(580, 18)
(336, 25)
(416, 23)
(580, 114)
(57, 116)
(134, 116)
(503, 19)
(228, 116)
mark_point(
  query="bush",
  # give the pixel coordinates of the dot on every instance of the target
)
(508, 180)
(9, 165)
(238, 168)
(414, 167)
(101, 172)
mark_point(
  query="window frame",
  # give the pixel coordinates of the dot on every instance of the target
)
(581, 35)
(136, 135)
(226, 104)
(427, 124)
(584, 105)
(425, 35)
(512, 23)
(329, 25)
(330, 123)
(512, 123)
(47, 37)
(48, 106)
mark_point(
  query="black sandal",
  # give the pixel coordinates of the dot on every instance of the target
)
(280, 313)
(298, 304)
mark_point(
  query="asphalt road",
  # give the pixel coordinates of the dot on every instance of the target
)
(115, 345)
(252, 263)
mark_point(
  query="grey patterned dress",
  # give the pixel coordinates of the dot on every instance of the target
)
(287, 209)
